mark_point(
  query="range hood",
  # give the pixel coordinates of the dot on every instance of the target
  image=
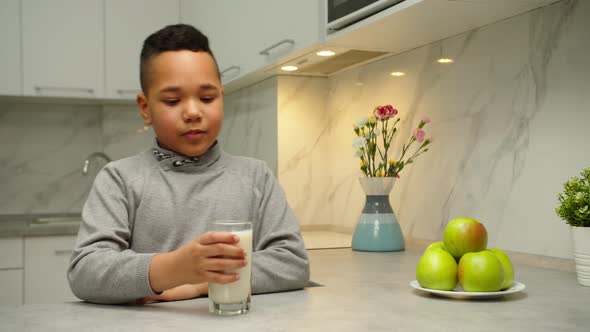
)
(311, 64)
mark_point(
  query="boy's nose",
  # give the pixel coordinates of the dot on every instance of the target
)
(192, 112)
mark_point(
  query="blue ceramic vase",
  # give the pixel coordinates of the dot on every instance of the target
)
(377, 228)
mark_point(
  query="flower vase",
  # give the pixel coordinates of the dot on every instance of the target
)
(377, 228)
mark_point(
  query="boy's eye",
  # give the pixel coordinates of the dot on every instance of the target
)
(208, 99)
(171, 102)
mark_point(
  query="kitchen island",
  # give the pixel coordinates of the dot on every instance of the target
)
(360, 292)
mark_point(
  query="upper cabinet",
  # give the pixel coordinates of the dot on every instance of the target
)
(10, 57)
(249, 36)
(128, 23)
(63, 43)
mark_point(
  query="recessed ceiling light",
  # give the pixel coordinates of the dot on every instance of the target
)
(397, 73)
(326, 53)
(289, 68)
(445, 60)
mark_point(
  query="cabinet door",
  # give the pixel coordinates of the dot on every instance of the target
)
(239, 30)
(220, 21)
(11, 287)
(281, 27)
(128, 23)
(10, 79)
(63, 48)
(46, 263)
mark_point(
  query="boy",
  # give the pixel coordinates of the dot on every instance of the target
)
(144, 232)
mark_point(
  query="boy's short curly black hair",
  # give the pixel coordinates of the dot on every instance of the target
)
(171, 38)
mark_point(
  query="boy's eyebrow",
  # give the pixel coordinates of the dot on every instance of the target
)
(205, 86)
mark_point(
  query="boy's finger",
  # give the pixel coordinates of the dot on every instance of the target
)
(225, 250)
(224, 264)
(218, 237)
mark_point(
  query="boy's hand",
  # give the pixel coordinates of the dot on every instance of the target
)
(204, 259)
(183, 292)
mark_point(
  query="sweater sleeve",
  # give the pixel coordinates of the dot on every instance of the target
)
(280, 260)
(103, 269)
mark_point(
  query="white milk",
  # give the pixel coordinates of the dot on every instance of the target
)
(236, 291)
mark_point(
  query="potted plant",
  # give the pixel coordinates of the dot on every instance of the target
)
(574, 208)
(377, 228)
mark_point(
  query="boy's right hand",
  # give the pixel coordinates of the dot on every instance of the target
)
(205, 259)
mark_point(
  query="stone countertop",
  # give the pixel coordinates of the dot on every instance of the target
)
(361, 291)
(18, 225)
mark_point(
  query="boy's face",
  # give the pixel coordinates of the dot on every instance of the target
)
(184, 101)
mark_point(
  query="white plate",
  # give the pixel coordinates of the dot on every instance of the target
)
(459, 294)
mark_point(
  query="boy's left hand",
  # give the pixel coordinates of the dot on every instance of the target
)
(183, 292)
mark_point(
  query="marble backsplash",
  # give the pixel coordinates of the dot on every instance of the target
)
(43, 146)
(509, 122)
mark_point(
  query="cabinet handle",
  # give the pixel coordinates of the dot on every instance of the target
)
(60, 88)
(267, 50)
(228, 69)
(127, 91)
(63, 252)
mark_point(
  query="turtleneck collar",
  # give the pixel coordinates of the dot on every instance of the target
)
(170, 160)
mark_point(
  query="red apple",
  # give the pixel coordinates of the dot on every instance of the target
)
(463, 235)
(480, 272)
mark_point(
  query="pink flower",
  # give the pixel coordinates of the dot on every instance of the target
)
(426, 119)
(384, 112)
(419, 135)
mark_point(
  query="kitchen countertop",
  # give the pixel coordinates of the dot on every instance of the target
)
(361, 291)
(17, 225)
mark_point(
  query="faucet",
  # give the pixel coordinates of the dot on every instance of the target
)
(92, 156)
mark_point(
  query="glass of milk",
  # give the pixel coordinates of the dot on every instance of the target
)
(233, 298)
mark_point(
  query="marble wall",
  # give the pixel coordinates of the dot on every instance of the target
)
(43, 146)
(250, 122)
(509, 120)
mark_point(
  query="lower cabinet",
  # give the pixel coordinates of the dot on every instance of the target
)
(11, 271)
(11, 287)
(46, 263)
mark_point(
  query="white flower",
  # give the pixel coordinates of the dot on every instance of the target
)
(358, 142)
(358, 153)
(361, 122)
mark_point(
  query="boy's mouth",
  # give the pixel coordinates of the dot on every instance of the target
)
(194, 134)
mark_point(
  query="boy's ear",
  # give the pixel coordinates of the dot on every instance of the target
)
(144, 109)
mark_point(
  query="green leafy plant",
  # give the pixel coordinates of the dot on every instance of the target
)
(574, 202)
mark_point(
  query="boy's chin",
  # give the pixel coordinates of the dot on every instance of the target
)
(192, 150)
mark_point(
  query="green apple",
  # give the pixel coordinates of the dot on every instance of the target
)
(507, 265)
(463, 235)
(437, 269)
(480, 272)
(436, 245)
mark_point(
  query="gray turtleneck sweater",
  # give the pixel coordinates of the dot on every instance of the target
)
(158, 200)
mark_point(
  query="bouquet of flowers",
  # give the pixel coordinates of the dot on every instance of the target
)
(374, 135)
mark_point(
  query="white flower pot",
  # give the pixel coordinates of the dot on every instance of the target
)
(581, 239)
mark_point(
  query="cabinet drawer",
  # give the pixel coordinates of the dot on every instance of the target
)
(11, 253)
(11, 287)
(46, 262)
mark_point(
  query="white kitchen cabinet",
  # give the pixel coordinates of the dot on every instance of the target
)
(10, 57)
(46, 263)
(128, 23)
(63, 48)
(11, 271)
(11, 287)
(246, 36)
